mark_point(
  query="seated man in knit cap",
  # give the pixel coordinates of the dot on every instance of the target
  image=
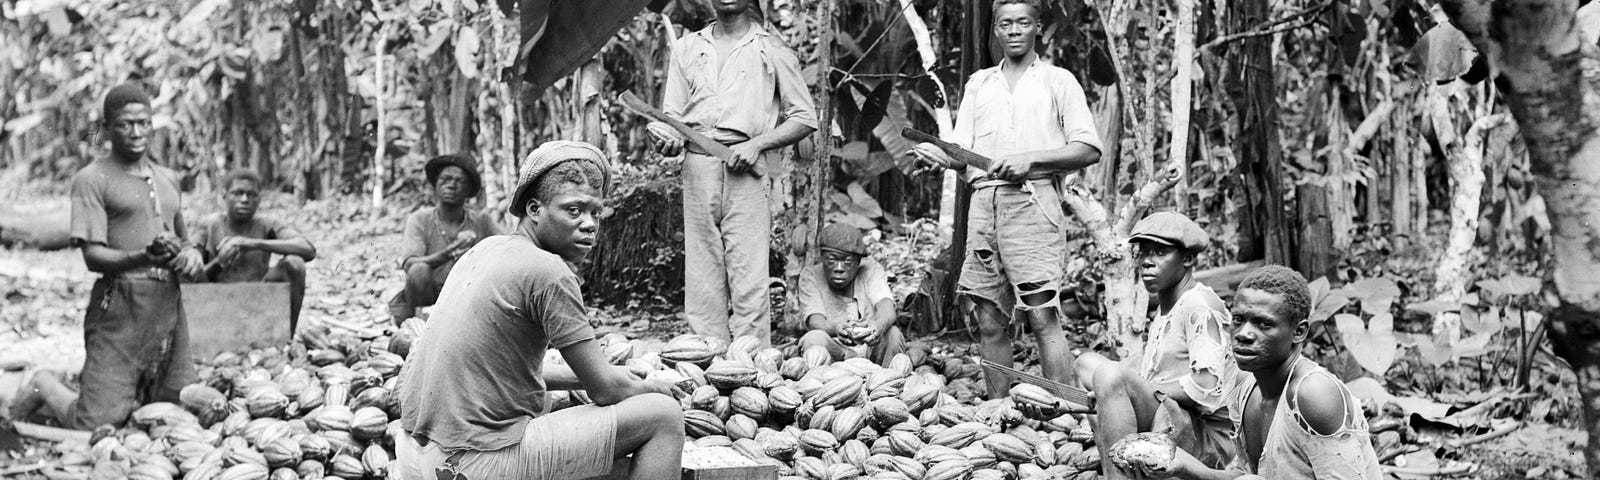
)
(1294, 419)
(127, 219)
(472, 392)
(239, 244)
(435, 237)
(846, 301)
(1186, 371)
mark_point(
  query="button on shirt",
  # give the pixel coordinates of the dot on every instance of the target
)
(1045, 110)
(121, 209)
(742, 96)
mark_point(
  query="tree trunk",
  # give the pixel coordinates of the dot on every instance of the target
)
(1182, 99)
(1316, 231)
(1534, 45)
(1263, 232)
(975, 37)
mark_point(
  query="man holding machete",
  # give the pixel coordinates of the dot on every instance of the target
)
(741, 86)
(1032, 119)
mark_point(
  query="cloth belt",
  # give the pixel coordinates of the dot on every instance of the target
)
(156, 274)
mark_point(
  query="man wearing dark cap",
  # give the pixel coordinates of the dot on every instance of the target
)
(472, 392)
(239, 244)
(126, 218)
(846, 300)
(1186, 369)
(435, 237)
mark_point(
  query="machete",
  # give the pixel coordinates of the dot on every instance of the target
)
(962, 155)
(713, 147)
(1078, 399)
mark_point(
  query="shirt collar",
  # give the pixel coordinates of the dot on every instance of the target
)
(756, 31)
(995, 71)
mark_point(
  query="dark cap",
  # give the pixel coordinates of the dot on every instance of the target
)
(844, 238)
(546, 157)
(1171, 229)
(468, 166)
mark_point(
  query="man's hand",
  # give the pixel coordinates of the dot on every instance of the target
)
(665, 388)
(668, 141)
(745, 156)
(931, 153)
(229, 249)
(1013, 168)
(188, 262)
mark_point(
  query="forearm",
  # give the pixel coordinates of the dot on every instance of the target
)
(299, 247)
(788, 133)
(817, 321)
(103, 259)
(1190, 468)
(561, 377)
(1070, 158)
(434, 260)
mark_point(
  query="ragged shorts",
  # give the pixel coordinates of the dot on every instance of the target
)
(1014, 245)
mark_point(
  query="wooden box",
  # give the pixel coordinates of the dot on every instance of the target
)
(235, 317)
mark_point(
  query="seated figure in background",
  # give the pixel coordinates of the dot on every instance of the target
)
(239, 244)
(435, 237)
(846, 301)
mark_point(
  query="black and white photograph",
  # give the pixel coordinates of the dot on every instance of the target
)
(799, 239)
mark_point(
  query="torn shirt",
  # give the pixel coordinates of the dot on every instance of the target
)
(1189, 346)
(1045, 110)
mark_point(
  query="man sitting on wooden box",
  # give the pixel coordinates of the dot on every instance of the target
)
(846, 301)
(435, 237)
(239, 244)
(472, 391)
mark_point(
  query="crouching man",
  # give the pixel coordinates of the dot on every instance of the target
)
(1185, 374)
(1294, 420)
(846, 301)
(473, 389)
(239, 244)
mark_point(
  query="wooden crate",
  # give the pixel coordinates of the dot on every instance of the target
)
(757, 472)
(235, 317)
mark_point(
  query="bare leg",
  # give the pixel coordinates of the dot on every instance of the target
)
(418, 275)
(46, 389)
(1124, 404)
(650, 427)
(291, 269)
(1055, 353)
(994, 342)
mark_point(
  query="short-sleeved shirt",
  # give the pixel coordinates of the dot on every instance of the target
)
(475, 377)
(870, 287)
(1045, 110)
(426, 234)
(250, 265)
(1189, 347)
(124, 210)
(747, 94)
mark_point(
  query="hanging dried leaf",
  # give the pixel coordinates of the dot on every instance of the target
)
(467, 43)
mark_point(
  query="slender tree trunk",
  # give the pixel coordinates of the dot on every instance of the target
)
(1183, 62)
(1263, 232)
(1535, 46)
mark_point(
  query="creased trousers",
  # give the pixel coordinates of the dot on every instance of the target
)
(727, 226)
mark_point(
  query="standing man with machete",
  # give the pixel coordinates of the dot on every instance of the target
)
(741, 86)
(1032, 119)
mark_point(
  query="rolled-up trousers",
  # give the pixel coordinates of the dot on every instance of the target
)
(727, 227)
